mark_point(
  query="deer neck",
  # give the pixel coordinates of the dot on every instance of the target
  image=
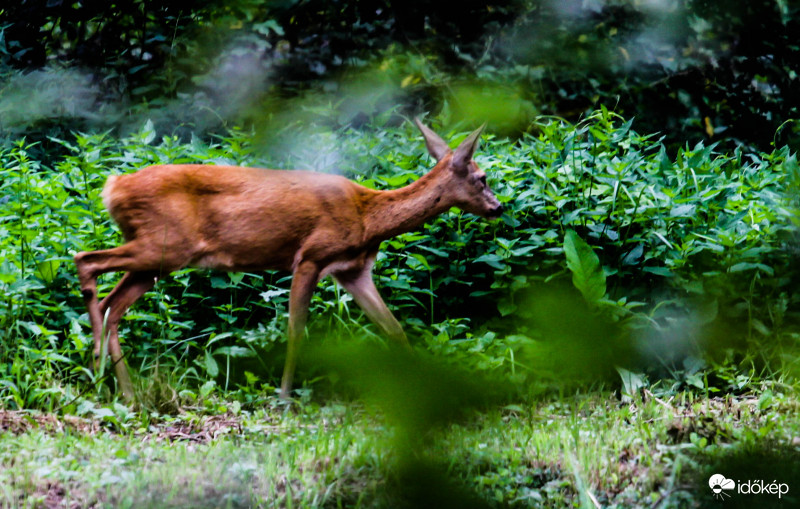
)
(401, 210)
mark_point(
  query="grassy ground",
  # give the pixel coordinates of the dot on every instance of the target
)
(589, 450)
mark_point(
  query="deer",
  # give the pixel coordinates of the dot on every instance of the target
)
(237, 219)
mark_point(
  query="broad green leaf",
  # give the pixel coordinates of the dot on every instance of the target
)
(684, 210)
(103, 413)
(218, 337)
(236, 277)
(207, 388)
(437, 252)
(211, 365)
(587, 273)
(46, 271)
(706, 312)
(415, 260)
(742, 266)
(148, 132)
(631, 383)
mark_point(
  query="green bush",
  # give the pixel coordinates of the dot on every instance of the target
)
(596, 215)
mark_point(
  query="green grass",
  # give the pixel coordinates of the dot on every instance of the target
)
(218, 461)
(571, 451)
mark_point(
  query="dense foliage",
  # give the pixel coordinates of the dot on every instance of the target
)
(667, 259)
(695, 70)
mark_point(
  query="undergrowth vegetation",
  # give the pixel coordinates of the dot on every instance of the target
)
(612, 254)
(666, 277)
(650, 262)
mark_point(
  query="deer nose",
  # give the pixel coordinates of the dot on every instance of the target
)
(496, 211)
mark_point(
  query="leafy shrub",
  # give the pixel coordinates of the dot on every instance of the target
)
(647, 239)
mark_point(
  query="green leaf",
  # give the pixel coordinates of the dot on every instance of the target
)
(742, 266)
(103, 413)
(631, 383)
(234, 351)
(658, 271)
(634, 255)
(506, 306)
(46, 271)
(148, 132)
(211, 365)
(236, 277)
(207, 388)
(664, 164)
(220, 282)
(415, 260)
(684, 210)
(492, 260)
(587, 273)
(437, 252)
(706, 312)
(270, 295)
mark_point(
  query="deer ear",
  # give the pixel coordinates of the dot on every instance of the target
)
(464, 152)
(437, 147)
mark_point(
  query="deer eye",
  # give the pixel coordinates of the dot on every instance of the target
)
(482, 180)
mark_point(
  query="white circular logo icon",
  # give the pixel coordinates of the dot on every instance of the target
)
(719, 484)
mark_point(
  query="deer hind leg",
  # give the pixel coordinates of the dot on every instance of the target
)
(132, 286)
(362, 288)
(132, 257)
(91, 265)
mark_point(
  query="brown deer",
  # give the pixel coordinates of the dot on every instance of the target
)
(243, 219)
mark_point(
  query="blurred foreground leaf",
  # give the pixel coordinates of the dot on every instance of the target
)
(414, 391)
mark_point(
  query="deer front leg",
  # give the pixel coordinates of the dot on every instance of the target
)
(304, 281)
(362, 288)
